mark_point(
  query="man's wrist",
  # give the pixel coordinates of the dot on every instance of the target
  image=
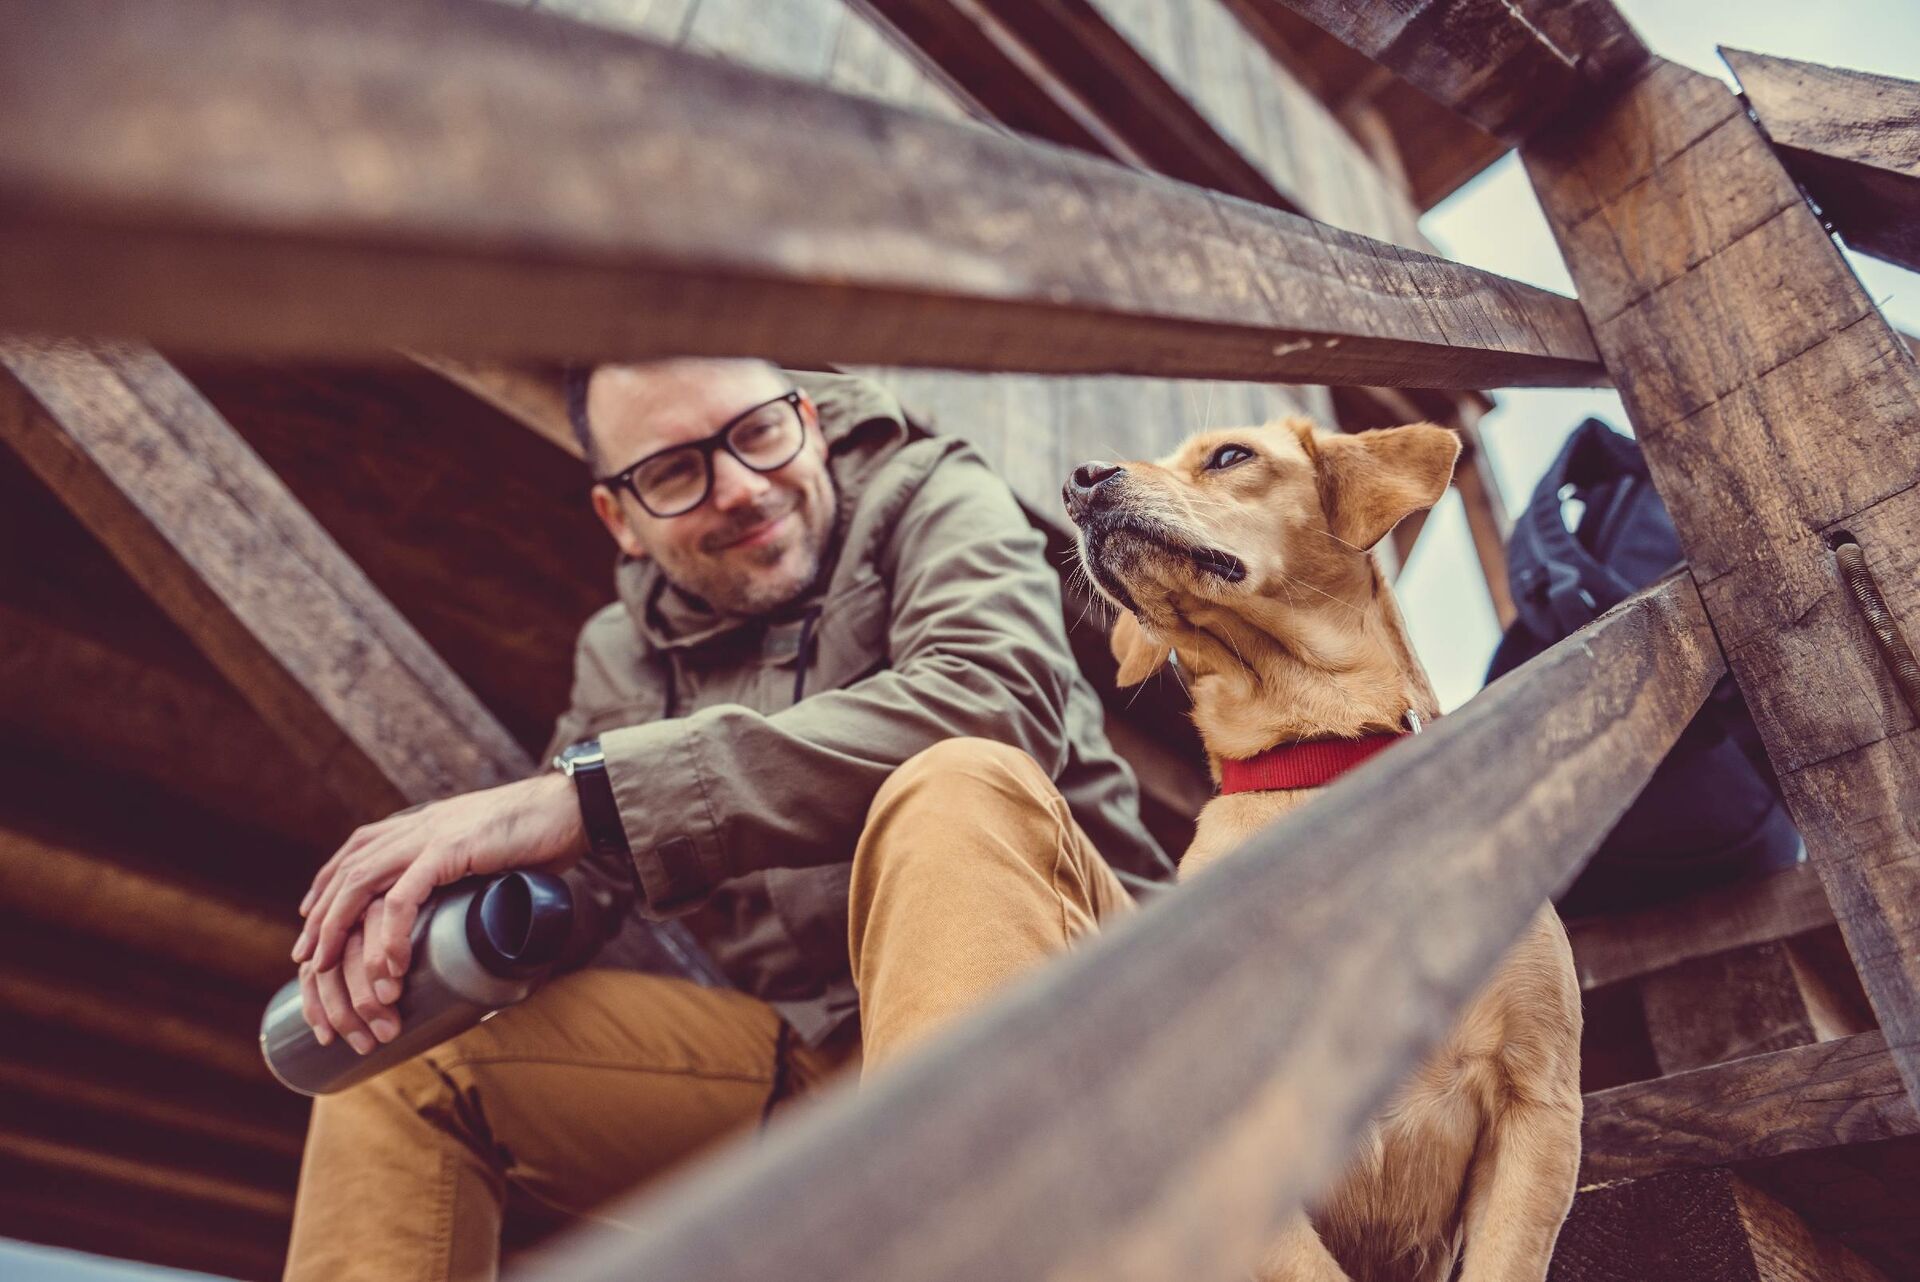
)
(585, 764)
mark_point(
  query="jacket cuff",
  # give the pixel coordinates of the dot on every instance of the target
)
(667, 814)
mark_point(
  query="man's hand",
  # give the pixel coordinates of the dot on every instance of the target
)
(373, 886)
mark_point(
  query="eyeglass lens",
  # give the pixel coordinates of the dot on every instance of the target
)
(765, 439)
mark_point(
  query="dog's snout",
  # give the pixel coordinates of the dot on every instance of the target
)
(1081, 488)
(1089, 476)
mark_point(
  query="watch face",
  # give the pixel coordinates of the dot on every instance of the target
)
(585, 753)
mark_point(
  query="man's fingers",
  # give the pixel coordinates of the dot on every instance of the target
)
(345, 901)
(395, 940)
(382, 1021)
(311, 1009)
(339, 1007)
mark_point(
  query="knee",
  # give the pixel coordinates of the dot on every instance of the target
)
(410, 1095)
(953, 771)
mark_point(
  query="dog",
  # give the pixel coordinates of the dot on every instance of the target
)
(1244, 558)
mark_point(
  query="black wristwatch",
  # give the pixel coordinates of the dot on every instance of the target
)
(586, 765)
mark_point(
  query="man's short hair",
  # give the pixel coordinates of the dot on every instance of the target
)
(575, 379)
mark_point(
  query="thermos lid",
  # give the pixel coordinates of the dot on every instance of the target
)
(519, 924)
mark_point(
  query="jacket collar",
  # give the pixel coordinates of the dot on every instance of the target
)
(862, 422)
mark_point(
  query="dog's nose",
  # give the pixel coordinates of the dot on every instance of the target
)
(1079, 491)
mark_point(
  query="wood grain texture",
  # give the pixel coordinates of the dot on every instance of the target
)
(1827, 1095)
(1508, 67)
(1607, 950)
(60, 883)
(1438, 149)
(1775, 406)
(1144, 1106)
(1853, 139)
(1699, 1226)
(1709, 1010)
(164, 174)
(222, 545)
(531, 397)
(292, 622)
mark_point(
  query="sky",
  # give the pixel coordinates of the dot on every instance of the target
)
(1494, 222)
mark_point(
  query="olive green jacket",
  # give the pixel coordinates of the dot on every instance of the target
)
(744, 753)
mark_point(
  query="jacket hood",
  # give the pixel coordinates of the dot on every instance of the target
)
(863, 422)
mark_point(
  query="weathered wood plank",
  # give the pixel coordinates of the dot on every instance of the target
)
(533, 398)
(1243, 1026)
(1853, 140)
(1508, 67)
(1826, 1095)
(62, 884)
(221, 544)
(1709, 1010)
(1775, 407)
(1437, 149)
(1699, 1226)
(1607, 950)
(165, 175)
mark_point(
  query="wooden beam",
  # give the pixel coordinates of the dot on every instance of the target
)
(1825, 1095)
(1699, 1226)
(1510, 67)
(61, 1209)
(218, 540)
(1775, 407)
(976, 1158)
(129, 206)
(220, 543)
(62, 884)
(1709, 1010)
(1607, 950)
(80, 695)
(112, 1078)
(1852, 139)
(532, 397)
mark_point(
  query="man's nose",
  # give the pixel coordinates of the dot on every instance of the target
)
(734, 483)
(1082, 490)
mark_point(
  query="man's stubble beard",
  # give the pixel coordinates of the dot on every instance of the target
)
(732, 587)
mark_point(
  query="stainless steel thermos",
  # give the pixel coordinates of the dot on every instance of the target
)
(479, 945)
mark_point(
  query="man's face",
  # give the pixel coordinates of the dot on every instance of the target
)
(756, 542)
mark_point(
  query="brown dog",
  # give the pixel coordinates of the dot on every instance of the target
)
(1243, 555)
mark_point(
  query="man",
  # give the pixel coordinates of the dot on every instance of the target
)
(833, 720)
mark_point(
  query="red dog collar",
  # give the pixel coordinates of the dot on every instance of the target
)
(1310, 763)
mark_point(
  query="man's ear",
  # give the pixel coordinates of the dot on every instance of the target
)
(1139, 656)
(1370, 481)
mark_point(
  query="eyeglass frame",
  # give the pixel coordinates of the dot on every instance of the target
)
(708, 446)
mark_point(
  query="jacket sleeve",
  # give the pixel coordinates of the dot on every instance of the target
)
(977, 647)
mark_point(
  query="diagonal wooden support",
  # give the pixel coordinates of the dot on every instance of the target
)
(585, 193)
(1852, 139)
(1507, 65)
(1776, 407)
(206, 527)
(1120, 1115)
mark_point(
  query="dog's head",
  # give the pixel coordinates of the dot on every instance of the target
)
(1259, 525)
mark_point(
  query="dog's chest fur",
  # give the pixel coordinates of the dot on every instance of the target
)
(1394, 1215)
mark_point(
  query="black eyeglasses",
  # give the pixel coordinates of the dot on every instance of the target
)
(676, 480)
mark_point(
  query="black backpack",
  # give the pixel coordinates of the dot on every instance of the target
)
(1712, 812)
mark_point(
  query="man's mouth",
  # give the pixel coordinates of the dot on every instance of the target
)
(759, 533)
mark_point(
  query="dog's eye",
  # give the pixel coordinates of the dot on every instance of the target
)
(1227, 456)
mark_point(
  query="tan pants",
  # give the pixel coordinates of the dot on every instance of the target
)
(969, 872)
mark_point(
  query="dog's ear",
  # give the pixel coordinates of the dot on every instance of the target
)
(1139, 656)
(1370, 481)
